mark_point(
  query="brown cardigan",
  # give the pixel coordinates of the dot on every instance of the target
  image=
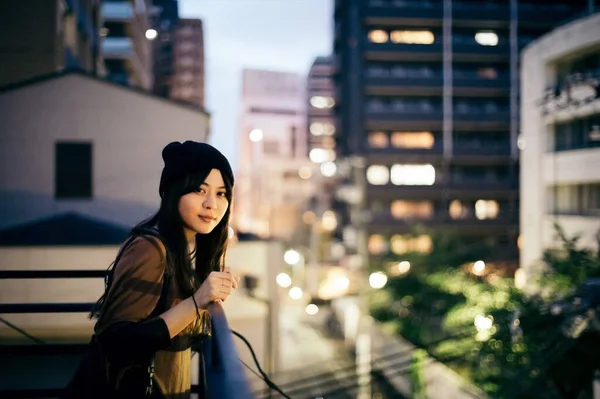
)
(124, 328)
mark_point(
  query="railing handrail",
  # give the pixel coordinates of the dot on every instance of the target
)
(31, 274)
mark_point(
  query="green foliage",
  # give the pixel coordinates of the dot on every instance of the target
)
(437, 299)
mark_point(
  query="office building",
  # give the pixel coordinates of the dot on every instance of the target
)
(187, 81)
(560, 139)
(274, 171)
(428, 93)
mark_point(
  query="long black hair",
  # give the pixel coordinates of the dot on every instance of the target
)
(210, 248)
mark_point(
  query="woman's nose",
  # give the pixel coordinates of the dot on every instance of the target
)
(210, 202)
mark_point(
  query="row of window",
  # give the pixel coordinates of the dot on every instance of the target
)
(427, 105)
(428, 4)
(399, 244)
(404, 209)
(426, 140)
(425, 37)
(575, 199)
(577, 134)
(483, 38)
(425, 174)
(428, 71)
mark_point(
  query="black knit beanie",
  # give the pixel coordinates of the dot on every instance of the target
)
(190, 157)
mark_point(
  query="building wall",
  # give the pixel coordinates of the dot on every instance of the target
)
(38, 34)
(541, 167)
(274, 103)
(188, 50)
(428, 95)
(128, 131)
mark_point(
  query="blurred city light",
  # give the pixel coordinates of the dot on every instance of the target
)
(305, 172)
(312, 309)
(291, 257)
(520, 278)
(378, 280)
(320, 155)
(478, 267)
(283, 280)
(404, 266)
(328, 169)
(329, 221)
(341, 283)
(486, 38)
(296, 293)
(322, 102)
(256, 135)
(309, 217)
(151, 34)
(483, 323)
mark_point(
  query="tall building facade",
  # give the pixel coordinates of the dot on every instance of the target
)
(164, 20)
(428, 93)
(320, 119)
(274, 171)
(187, 82)
(40, 37)
(560, 157)
(127, 42)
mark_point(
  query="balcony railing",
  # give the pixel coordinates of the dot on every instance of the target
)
(117, 47)
(410, 9)
(117, 11)
(222, 348)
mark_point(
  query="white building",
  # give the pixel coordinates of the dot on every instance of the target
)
(274, 170)
(71, 142)
(560, 138)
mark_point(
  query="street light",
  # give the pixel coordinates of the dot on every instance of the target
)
(291, 257)
(256, 135)
(151, 34)
(283, 280)
(296, 293)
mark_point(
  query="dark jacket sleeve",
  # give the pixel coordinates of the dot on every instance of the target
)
(125, 326)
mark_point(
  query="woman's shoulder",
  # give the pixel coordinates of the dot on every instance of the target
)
(150, 243)
(139, 250)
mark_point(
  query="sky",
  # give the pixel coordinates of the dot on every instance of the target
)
(280, 35)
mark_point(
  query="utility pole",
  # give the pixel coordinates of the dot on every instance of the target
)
(360, 217)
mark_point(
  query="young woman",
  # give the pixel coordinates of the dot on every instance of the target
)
(184, 244)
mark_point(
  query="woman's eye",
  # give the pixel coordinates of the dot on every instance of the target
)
(222, 194)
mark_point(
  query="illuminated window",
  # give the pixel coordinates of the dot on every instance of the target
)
(401, 209)
(378, 175)
(413, 140)
(458, 210)
(378, 36)
(413, 175)
(322, 129)
(377, 244)
(412, 37)
(320, 155)
(403, 244)
(486, 38)
(322, 102)
(328, 143)
(378, 140)
(487, 73)
(486, 209)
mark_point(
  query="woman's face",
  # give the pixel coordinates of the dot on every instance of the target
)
(203, 209)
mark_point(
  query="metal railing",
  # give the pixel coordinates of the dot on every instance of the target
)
(222, 342)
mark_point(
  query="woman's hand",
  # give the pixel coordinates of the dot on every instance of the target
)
(216, 288)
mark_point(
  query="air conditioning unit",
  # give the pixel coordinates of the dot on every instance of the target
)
(594, 134)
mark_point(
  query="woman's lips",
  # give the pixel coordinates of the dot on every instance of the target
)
(207, 219)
